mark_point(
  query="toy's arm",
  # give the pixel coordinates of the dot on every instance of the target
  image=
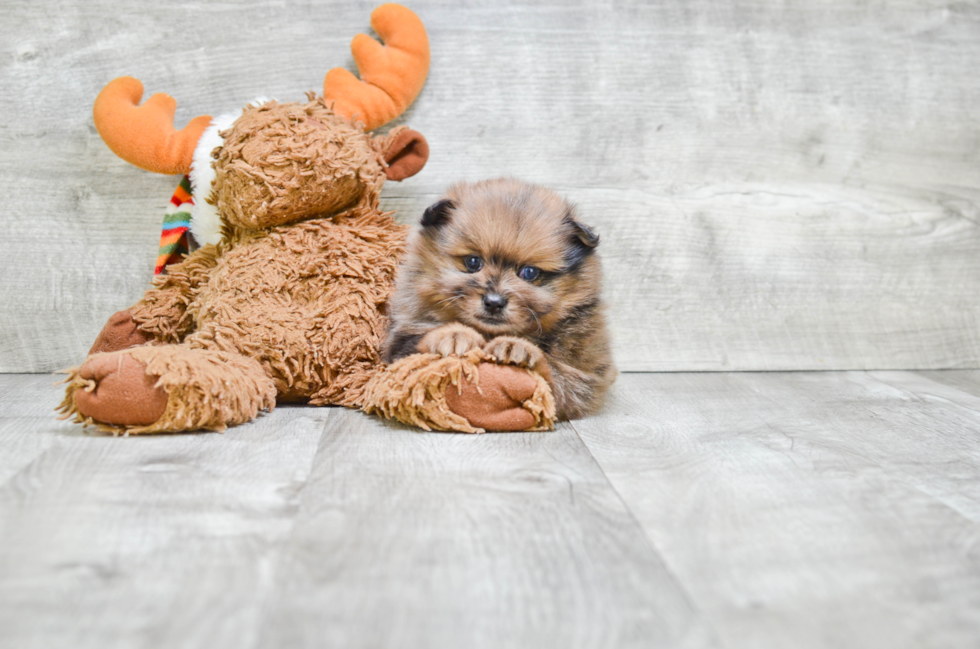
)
(466, 393)
(163, 312)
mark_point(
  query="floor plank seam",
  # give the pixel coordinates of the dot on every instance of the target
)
(675, 580)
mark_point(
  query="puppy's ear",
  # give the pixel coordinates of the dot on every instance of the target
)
(586, 236)
(581, 242)
(436, 215)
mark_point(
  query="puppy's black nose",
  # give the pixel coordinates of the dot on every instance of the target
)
(494, 302)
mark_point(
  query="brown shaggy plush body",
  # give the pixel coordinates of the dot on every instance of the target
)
(506, 267)
(303, 300)
(290, 305)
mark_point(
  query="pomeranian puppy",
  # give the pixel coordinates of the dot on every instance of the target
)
(507, 267)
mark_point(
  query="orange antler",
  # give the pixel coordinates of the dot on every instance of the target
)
(145, 135)
(392, 75)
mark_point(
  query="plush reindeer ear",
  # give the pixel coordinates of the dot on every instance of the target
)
(405, 154)
(437, 214)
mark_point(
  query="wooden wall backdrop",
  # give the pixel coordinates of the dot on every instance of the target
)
(787, 185)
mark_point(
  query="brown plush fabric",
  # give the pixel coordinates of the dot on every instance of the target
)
(429, 391)
(120, 332)
(201, 389)
(165, 311)
(281, 163)
(305, 301)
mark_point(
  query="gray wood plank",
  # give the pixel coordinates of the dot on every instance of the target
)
(806, 509)
(27, 404)
(778, 185)
(315, 527)
(164, 541)
(427, 540)
(966, 380)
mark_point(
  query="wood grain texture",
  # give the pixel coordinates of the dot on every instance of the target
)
(407, 540)
(144, 542)
(778, 185)
(320, 527)
(807, 509)
(28, 403)
(966, 380)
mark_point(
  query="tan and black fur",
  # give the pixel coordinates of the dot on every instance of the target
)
(464, 284)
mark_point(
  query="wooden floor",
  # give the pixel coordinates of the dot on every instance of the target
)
(700, 510)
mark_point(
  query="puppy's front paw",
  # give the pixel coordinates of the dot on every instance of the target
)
(451, 340)
(514, 351)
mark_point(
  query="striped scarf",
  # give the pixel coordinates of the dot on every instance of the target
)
(174, 244)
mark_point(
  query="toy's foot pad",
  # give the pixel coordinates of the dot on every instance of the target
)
(499, 406)
(120, 392)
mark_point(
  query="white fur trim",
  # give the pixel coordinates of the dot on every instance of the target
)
(205, 222)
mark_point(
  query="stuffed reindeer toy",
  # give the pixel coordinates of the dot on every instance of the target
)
(285, 298)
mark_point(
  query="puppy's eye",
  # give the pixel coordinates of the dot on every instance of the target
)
(529, 273)
(472, 263)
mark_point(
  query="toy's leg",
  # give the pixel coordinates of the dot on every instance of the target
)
(120, 332)
(464, 394)
(167, 388)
